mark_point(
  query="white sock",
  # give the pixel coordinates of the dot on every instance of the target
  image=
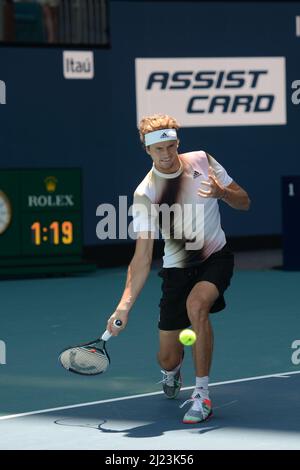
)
(174, 371)
(202, 387)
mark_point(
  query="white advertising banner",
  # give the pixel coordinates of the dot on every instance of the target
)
(78, 65)
(227, 91)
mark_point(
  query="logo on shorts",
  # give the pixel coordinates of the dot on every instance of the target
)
(196, 174)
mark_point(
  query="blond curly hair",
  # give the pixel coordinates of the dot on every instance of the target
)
(155, 123)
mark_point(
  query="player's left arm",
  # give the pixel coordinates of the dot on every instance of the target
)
(233, 194)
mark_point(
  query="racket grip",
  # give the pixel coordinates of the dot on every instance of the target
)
(106, 335)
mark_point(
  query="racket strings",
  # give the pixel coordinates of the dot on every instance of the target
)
(85, 361)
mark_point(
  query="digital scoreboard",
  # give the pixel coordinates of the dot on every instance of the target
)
(40, 218)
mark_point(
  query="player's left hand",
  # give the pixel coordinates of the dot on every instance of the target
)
(216, 190)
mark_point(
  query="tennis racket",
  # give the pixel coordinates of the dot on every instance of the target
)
(89, 358)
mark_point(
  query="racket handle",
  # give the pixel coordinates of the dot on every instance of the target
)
(106, 335)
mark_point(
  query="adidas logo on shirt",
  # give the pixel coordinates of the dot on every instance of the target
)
(196, 174)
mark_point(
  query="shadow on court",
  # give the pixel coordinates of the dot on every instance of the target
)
(144, 418)
(255, 414)
(268, 404)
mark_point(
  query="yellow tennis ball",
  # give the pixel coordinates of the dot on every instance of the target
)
(187, 337)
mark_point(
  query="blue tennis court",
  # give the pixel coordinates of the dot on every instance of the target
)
(254, 382)
(142, 144)
(257, 413)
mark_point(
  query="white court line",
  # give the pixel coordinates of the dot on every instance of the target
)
(69, 407)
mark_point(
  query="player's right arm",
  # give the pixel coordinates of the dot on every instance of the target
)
(137, 273)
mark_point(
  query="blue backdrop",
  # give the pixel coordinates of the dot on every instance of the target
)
(51, 121)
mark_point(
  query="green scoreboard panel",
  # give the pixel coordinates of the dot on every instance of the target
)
(40, 217)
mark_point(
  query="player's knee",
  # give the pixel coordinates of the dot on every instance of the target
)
(198, 309)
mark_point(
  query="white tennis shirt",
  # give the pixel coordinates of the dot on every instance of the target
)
(192, 229)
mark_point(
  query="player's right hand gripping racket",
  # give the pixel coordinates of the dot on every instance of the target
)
(89, 358)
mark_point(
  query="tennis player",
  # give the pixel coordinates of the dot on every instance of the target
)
(197, 264)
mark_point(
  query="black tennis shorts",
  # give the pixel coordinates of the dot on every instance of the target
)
(178, 283)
